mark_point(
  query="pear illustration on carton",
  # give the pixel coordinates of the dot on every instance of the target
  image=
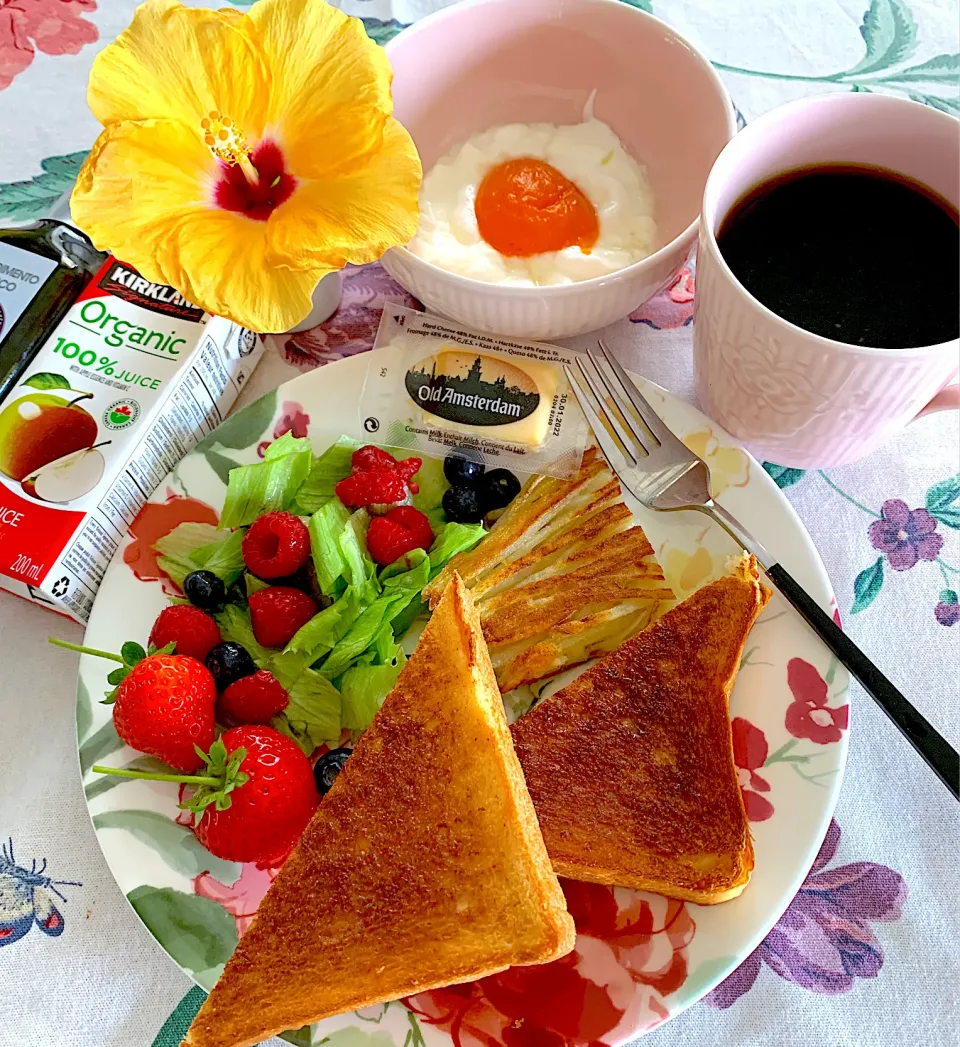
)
(47, 441)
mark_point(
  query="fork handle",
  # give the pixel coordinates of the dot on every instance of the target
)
(938, 753)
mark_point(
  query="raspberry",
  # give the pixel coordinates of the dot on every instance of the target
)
(252, 699)
(408, 469)
(277, 612)
(277, 544)
(371, 488)
(194, 632)
(400, 531)
(371, 459)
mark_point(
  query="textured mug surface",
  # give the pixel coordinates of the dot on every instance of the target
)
(486, 62)
(794, 397)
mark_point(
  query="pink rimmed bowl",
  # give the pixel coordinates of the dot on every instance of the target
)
(486, 62)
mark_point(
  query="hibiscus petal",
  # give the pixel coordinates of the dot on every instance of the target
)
(174, 62)
(352, 218)
(896, 512)
(144, 194)
(331, 87)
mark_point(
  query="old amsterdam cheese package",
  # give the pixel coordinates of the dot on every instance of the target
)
(434, 385)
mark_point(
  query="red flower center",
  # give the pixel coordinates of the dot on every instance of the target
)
(234, 193)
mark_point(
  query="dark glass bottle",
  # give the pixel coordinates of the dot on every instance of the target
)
(43, 269)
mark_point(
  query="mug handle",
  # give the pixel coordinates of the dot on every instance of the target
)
(948, 399)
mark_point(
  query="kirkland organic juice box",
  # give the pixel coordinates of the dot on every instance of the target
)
(127, 383)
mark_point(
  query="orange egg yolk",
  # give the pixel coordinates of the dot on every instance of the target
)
(526, 207)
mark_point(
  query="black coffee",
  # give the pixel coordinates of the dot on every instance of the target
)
(857, 254)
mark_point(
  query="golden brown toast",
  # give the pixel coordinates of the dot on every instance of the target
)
(564, 576)
(422, 867)
(631, 765)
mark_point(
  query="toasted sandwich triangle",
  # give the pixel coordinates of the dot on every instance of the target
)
(422, 867)
(631, 765)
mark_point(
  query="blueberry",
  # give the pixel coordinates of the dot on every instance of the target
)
(204, 590)
(461, 505)
(498, 489)
(463, 467)
(228, 662)
(326, 769)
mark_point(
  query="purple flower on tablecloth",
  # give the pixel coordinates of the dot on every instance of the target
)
(905, 536)
(947, 611)
(823, 942)
(353, 326)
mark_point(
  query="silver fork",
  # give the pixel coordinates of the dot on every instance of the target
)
(663, 474)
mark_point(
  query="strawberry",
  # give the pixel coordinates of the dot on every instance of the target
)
(191, 631)
(400, 531)
(262, 800)
(277, 612)
(252, 699)
(277, 545)
(163, 703)
(371, 488)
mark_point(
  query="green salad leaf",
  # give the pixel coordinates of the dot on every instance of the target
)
(359, 570)
(235, 625)
(325, 527)
(314, 712)
(326, 629)
(267, 486)
(362, 691)
(325, 473)
(452, 538)
(199, 546)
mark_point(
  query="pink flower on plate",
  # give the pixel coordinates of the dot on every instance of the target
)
(630, 953)
(293, 420)
(53, 27)
(353, 327)
(240, 899)
(749, 753)
(808, 715)
(670, 307)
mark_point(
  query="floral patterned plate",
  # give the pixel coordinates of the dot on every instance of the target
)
(639, 958)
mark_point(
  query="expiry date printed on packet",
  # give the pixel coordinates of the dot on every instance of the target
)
(435, 385)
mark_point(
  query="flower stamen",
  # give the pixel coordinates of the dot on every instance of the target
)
(228, 144)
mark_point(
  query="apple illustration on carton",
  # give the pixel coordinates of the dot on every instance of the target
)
(47, 442)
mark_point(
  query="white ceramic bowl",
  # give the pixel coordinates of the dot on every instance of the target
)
(486, 62)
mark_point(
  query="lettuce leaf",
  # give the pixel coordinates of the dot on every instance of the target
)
(326, 629)
(362, 691)
(326, 472)
(407, 562)
(313, 716)
(191, 546)
(453, 538)
(359, 570)
(363, 633)
(267, 486)
(432, 484)
(409, 582)
(325, 527)
(235, 625)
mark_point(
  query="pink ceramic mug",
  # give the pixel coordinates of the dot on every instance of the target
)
(793, 397)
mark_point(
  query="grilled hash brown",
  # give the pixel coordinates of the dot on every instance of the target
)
(631, 765)
(563, 576)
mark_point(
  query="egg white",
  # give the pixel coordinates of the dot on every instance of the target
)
(588, 153)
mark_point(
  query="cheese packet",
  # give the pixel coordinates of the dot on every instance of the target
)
(433, 386)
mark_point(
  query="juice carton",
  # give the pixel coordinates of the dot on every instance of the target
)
(126, 384)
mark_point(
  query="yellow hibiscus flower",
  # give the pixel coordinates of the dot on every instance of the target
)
(729, 466)
(245, 156)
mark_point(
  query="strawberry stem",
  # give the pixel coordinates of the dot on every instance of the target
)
(86, 650)
(150, 776)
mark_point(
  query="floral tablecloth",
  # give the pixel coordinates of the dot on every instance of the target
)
(866, 953)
